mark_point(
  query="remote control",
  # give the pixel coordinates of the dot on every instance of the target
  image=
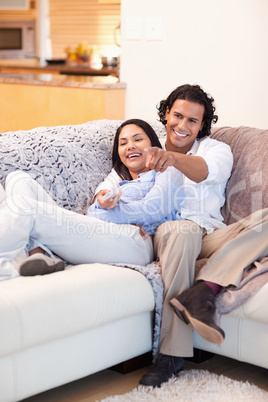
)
(109, 195)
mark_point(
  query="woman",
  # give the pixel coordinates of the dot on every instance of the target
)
(33, 219)
(144, 197)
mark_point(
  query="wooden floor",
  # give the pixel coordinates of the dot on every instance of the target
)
(108, 382)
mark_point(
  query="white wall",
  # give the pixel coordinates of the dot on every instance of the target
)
(218, 44)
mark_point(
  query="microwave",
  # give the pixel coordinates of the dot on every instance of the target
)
(17, 39)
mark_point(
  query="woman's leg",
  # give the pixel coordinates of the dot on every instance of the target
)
(21, 183)
(15, 229)
(14, 236)
(37, 263)
(80, 239)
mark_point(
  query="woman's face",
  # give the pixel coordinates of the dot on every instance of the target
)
(131, 143)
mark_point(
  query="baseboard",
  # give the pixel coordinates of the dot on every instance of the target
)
(200, 356)
(133, 364)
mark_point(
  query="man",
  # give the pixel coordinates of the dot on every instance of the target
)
(188, 113)
(198, 232)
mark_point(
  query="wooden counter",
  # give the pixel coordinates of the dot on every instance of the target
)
(32, 100)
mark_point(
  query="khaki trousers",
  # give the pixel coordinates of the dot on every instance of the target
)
(229, 250)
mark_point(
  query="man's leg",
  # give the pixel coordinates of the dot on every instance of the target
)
(177, 246)
(231, 249)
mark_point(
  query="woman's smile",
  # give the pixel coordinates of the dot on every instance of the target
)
(133, 155)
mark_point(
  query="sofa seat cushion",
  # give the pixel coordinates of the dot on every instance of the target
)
(36, 310)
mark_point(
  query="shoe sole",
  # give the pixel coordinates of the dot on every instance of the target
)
(40, 267)
(208, 333)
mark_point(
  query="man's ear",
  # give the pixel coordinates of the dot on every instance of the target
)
(167, 112)
(201, 128)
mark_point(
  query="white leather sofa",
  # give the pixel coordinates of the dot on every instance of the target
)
(60, 327)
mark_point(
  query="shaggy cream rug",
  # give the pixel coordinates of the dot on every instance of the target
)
(195, 385)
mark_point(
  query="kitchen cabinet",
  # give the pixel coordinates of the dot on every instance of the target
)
(28, 101)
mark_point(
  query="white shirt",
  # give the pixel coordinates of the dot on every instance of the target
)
(203, 201)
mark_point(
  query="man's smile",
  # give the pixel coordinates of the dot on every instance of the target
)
(180, 135)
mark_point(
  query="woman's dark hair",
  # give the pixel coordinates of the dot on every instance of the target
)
(191, 93)
(118, 166)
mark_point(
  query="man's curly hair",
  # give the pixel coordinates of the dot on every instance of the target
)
(191, 93)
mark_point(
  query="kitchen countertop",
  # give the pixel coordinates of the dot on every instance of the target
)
(61, 68)
(61, 80)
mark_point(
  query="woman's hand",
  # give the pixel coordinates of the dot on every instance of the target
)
(108, 204)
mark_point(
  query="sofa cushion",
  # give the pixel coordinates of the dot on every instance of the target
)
(36, 310)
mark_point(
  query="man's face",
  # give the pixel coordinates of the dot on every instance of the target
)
(184, 121)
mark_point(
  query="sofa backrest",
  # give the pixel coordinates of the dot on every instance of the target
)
(247, 188)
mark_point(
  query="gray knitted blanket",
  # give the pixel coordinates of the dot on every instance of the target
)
(67, 161)
(152, 272)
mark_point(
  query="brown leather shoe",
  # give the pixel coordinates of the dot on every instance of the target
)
(163, 368)
(196, 306)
